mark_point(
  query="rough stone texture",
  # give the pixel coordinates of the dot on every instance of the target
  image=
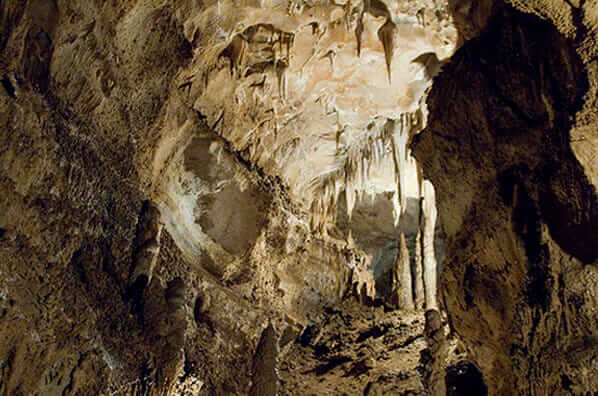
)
(205, 197)
(517, 197)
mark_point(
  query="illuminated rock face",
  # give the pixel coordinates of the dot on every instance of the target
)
(308, 93)
(221, 197)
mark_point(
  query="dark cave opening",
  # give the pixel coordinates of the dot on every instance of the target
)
(464, 379)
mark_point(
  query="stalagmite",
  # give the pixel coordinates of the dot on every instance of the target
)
(430, 265)
(402, 284)
(265, 361)
(418, 282)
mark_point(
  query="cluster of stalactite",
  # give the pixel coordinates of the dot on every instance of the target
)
(389, 138)
(414, 285)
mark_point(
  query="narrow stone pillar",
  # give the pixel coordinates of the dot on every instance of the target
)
(145, 254)
(433, 358)
(265, 361)
(402, 277)
(430, 265)
(418, 282)
(147, 241)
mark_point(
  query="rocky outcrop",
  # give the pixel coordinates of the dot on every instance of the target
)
(517, 199)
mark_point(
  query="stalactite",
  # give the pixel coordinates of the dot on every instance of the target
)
(358, 32)
(429, 224)
(281, 77)
(147, 247)
(396, 208)
(386, 34)
(400, 139)
(402, 283)
(350, 197)
(364, 161)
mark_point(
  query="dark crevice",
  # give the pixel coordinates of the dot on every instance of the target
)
(77, 263)
(577, 16)
(569, 206)
(330, 365)
(468, 282)
(366, 390)
(358, 369)
(321, 350)
(198, 310)
(566, 382)
(307, 335)
(528, 225)
(375, 332)
(10, 89)
(135, 295)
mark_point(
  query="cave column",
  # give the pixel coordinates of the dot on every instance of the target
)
(418, 273)
(429, 258)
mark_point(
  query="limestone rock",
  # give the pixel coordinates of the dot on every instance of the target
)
(175, 175)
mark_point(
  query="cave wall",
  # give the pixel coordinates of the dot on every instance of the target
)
(517, 202)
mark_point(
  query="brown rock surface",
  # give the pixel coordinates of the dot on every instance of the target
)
(207, 197)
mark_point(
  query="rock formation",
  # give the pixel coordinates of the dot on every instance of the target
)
(430, 272)
(402, 282)
(418, 272)
(265, 362)
(298, 197)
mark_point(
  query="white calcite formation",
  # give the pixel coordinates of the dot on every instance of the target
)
(291, 87)
(325, 97)
(429, 259)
